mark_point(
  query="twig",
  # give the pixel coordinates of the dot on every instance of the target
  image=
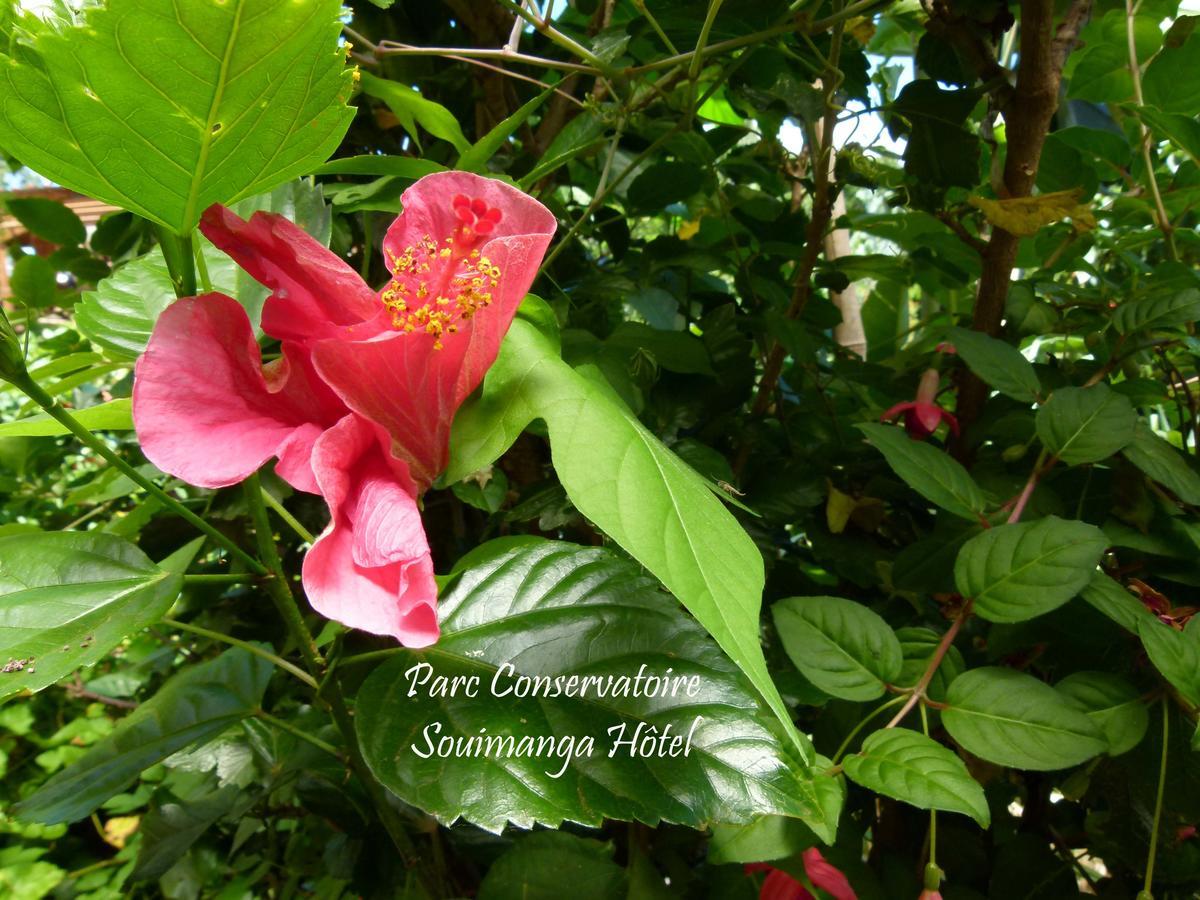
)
(935, 661)
(395, 48)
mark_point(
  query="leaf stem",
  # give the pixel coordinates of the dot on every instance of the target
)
(866, 720)
(299, 733)
(1162, 220)
(567, 43)
(290, 520)
(935, 660)
(1158, 800)
(177, 252)
(258, 651)
(56, 411)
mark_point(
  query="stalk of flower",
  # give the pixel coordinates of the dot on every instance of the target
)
(359, 404)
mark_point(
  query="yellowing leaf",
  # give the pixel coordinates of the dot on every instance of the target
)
(861, 29)
(120, 829)
(688, 229)
(841, 508)
(1023, 216)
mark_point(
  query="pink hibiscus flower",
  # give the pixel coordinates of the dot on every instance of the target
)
(922, 416)
(779, 885)
(358, 405)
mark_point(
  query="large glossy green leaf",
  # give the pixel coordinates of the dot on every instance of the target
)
(1113, 704)
(1176, 654)
(1162, 462)
(120, 313)
(112, 415)
(194, 706)
(165, 108)
(999, 364)
(931, 472)
(548, 610)
(842, 647)
(1015, 572)
(1085, 425)
(609, 464)
(909, 766)
(67, 598)
(1012, 719)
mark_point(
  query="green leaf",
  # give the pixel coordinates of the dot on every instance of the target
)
(194, 706)
(1158, 310)
(166, 109)
(34, 282)
(48, 219)
(1012, 719)
(412, 109)
(1171, 81)
(67, 598)
(583, 133)
(1176, 654)
(931, 472)
(999, 364)
(541, 864)
(1113, 704)
(842, 647)
(906, 765)
(1164, 464)
(476, 157)
(1086, 425)
(1015, 572)
(609, 463)
(555, 611)
(1182, 131)
(120, 313)
(409, 167)
(113, 415)
(1107, 596)
(764, 838)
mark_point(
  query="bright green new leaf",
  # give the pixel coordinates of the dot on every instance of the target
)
(1012, 719)
(842, 647)
(476, 157)
(1015, 572)
(999, 364)
(549, 611)
(906, 765)
(609, 463)
(166, 108)
(112, 415)
(194, 706)
(412, 110)
(1086, 424)
(931, 472)
(1113, 704)
(67, 598)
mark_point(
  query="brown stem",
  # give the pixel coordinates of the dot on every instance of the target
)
(1028, 115)
(939, 654)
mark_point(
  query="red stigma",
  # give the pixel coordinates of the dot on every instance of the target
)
(475, 215)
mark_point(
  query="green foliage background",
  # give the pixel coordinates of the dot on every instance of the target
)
(970, 653)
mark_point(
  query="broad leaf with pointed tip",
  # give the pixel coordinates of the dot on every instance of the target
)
(906, 765)
(166, 108)
(1113, 704)
(1015, 572)
(1012, 719)
(931, 472)
(1086, 424)
(551, 610)
(67, 598)
(610, 464)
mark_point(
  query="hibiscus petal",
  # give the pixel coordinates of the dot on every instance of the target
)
(433, 209)
(371, 568)
(315, 293)
(206, 410)
(413, 387)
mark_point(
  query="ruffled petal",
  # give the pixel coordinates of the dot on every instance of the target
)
(315, 293)
(412, 386)
(371, 567)
(206, 410)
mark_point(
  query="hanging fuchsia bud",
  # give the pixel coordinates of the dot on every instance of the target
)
(922, 416)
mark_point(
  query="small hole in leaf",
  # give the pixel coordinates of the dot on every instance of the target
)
(217, 127)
